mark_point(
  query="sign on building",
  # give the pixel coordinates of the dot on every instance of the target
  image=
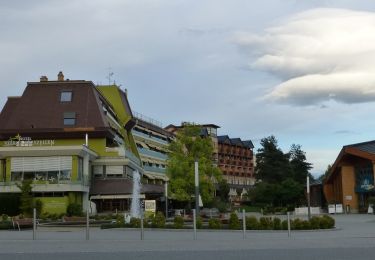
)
(150, 206)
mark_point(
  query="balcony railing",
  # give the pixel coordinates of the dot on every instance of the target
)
(153, 153)
(154, 169)
(158, 140)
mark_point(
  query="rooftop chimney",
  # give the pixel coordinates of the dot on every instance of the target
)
(60, 76)
(43, 78)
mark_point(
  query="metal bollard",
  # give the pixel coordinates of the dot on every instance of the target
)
(244, 224)
(34, 224)
(195, 224)
(142, 229)
(87, 225)
(289, 235)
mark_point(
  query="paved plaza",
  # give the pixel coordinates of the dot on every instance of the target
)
(354, 238)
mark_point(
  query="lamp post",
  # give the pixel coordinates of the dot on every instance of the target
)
(196, 175)
(308, 197)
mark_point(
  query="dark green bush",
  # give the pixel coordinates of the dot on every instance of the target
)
(252, 223)
(306, 225)
(4, 217)
(38, 206)
(326, 222)
(178, 222)
(331, 221)
(277, 224)
(199, 222)
(266, 223)
(135, 222)
(234, 222)
(315, 222)
(296, 224)
(214, 223)
(159, 220)
(6, 225)
(74, 209)
(284, 225)
(120, 220)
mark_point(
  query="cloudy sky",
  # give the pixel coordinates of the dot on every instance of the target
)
(303, 71)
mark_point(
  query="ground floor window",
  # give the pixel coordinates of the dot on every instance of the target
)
(54, 169)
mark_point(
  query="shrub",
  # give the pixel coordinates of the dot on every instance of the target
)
(38, 206)
(315, 222)
(214, 223)
(74, 209)
(276, 224)
(199, 222)
(234, 222)
(6, 225)
(265, 223)
(284, 225)
(44, 216)
(296, 224)
(120, 220)
(135, 222)
(4, 217)
(178, 222)
(330, 222)
(252, 223)
(306, 225)
(159, 220)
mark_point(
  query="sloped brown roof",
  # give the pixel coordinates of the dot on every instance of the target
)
(39, 109)
(117, 186)
(365, 150)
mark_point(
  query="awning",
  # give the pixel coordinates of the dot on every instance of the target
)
(150, 176)
(109, 197)
(144, 145)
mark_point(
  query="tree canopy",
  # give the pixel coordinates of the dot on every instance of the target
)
(183, 151)
(281, 176)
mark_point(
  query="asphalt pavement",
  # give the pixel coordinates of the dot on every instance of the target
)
(354, 238)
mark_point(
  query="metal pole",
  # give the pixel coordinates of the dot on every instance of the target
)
(244, 224)
(34, 224)
(288, 224)
(308, 197)
(195, 224)
(142, 230)
(87, 224)
(196, 174)
(166, 199)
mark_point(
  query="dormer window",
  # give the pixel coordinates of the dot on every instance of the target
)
(66, 96)
(69, 118)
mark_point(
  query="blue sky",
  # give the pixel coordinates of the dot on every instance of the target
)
(300, 70)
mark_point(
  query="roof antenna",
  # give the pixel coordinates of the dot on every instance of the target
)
(109, 77)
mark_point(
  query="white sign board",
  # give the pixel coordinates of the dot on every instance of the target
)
(339, 208)
(348, 197)
(150, 206)
(331, 209)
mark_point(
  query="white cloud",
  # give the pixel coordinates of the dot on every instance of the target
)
(321, 55)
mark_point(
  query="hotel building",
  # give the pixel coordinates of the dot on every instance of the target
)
(74, 141)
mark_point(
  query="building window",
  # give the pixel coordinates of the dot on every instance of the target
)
(66, 96)
(69, 118)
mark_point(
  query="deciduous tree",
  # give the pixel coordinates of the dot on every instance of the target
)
(189, 146)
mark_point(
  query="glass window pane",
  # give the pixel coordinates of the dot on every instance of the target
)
(40, 176)
(66, 96)
(69, 121)
(16, 176)
(65, 175)
(28, 175)
(53, 176)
